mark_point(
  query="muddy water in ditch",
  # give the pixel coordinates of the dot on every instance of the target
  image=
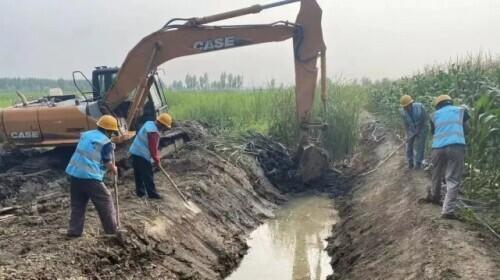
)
(291, 246)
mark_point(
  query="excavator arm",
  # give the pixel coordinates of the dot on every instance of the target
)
(194, 37)
(165, 45)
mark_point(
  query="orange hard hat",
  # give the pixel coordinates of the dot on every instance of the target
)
(108, 122)
(165, 119)
(405, 100)
(441, 98)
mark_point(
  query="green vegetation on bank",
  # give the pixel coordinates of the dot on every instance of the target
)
(269, 111)
(9, 98)
(272, 111)
(474, 82)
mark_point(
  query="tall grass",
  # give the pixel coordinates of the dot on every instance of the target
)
(474, 82)
(268, 111)
(9, 98)
(272, 112)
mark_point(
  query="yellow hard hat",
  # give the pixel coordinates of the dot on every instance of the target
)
(405, 100)
(165, 119)
(108, 122)
(441, 98)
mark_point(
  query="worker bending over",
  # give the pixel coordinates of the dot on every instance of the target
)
(87, 167)
(448, 153)
(145, 153)
(415, 123)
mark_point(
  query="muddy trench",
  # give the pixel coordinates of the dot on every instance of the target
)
(237, 187)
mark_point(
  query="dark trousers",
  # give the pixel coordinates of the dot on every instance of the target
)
(81, 191)
(448, 163)
(144, 180)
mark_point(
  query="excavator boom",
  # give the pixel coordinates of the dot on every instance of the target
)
(194, 37)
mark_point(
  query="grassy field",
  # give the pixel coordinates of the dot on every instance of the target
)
(10, 98)
(272, 112)
(267, 111)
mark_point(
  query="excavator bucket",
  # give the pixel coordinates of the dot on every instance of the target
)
(309, 46)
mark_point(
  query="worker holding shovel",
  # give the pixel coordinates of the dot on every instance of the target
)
(415, 122)
(92, 158)
(145, 154)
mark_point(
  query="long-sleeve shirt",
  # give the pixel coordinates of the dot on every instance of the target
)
(416, 119)
(153, 143)
(107, 153)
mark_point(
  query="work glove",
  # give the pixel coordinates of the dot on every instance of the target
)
(157, 164)
(114, 169)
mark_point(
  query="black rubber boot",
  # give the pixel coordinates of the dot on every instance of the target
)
(410, 164)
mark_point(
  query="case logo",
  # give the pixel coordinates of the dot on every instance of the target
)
(25, 135)
(215, 44)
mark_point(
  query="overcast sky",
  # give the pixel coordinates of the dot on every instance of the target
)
(372, 38)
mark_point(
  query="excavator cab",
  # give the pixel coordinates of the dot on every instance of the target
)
(102, 79)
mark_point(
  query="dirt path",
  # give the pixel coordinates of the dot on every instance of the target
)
(163, 239)
(386, 234)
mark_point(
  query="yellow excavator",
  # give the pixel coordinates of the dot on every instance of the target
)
(133, 93)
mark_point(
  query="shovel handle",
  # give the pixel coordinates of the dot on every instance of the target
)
(115, 188)
(173, 183)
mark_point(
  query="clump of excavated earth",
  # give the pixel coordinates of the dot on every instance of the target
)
(228, 181)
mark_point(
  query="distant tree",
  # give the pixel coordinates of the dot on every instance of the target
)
(230, 81)
(177, 85)
(271, 84)
(239, 82)
(204, 82)
(366, 81)
(223, 77)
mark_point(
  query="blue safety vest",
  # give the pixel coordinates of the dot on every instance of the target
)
(448, 127)
(86, 162)
(140, 146)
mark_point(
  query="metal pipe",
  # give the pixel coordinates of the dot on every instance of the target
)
(239, 12)
(279, 3)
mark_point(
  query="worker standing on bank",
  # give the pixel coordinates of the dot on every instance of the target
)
(92, 158)
(448, 153)
(415, 123)
(145, 154)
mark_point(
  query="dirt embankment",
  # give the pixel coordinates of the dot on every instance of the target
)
(163, 239)
(386, 234)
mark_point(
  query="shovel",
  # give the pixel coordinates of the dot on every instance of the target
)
(188, 204)
(115, 188)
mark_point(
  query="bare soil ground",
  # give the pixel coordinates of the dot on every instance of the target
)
(163, 239)
(386, 234)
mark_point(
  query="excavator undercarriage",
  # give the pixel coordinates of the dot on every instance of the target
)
(133, 94)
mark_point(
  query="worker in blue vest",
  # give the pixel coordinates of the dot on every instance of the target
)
(92, 158)
(448, 153)
(145, 154)
(415, 119)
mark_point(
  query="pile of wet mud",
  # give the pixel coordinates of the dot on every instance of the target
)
(161, 240)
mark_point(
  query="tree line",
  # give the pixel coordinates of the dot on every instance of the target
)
(40, 85)
(203, 82)
(225, 81)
